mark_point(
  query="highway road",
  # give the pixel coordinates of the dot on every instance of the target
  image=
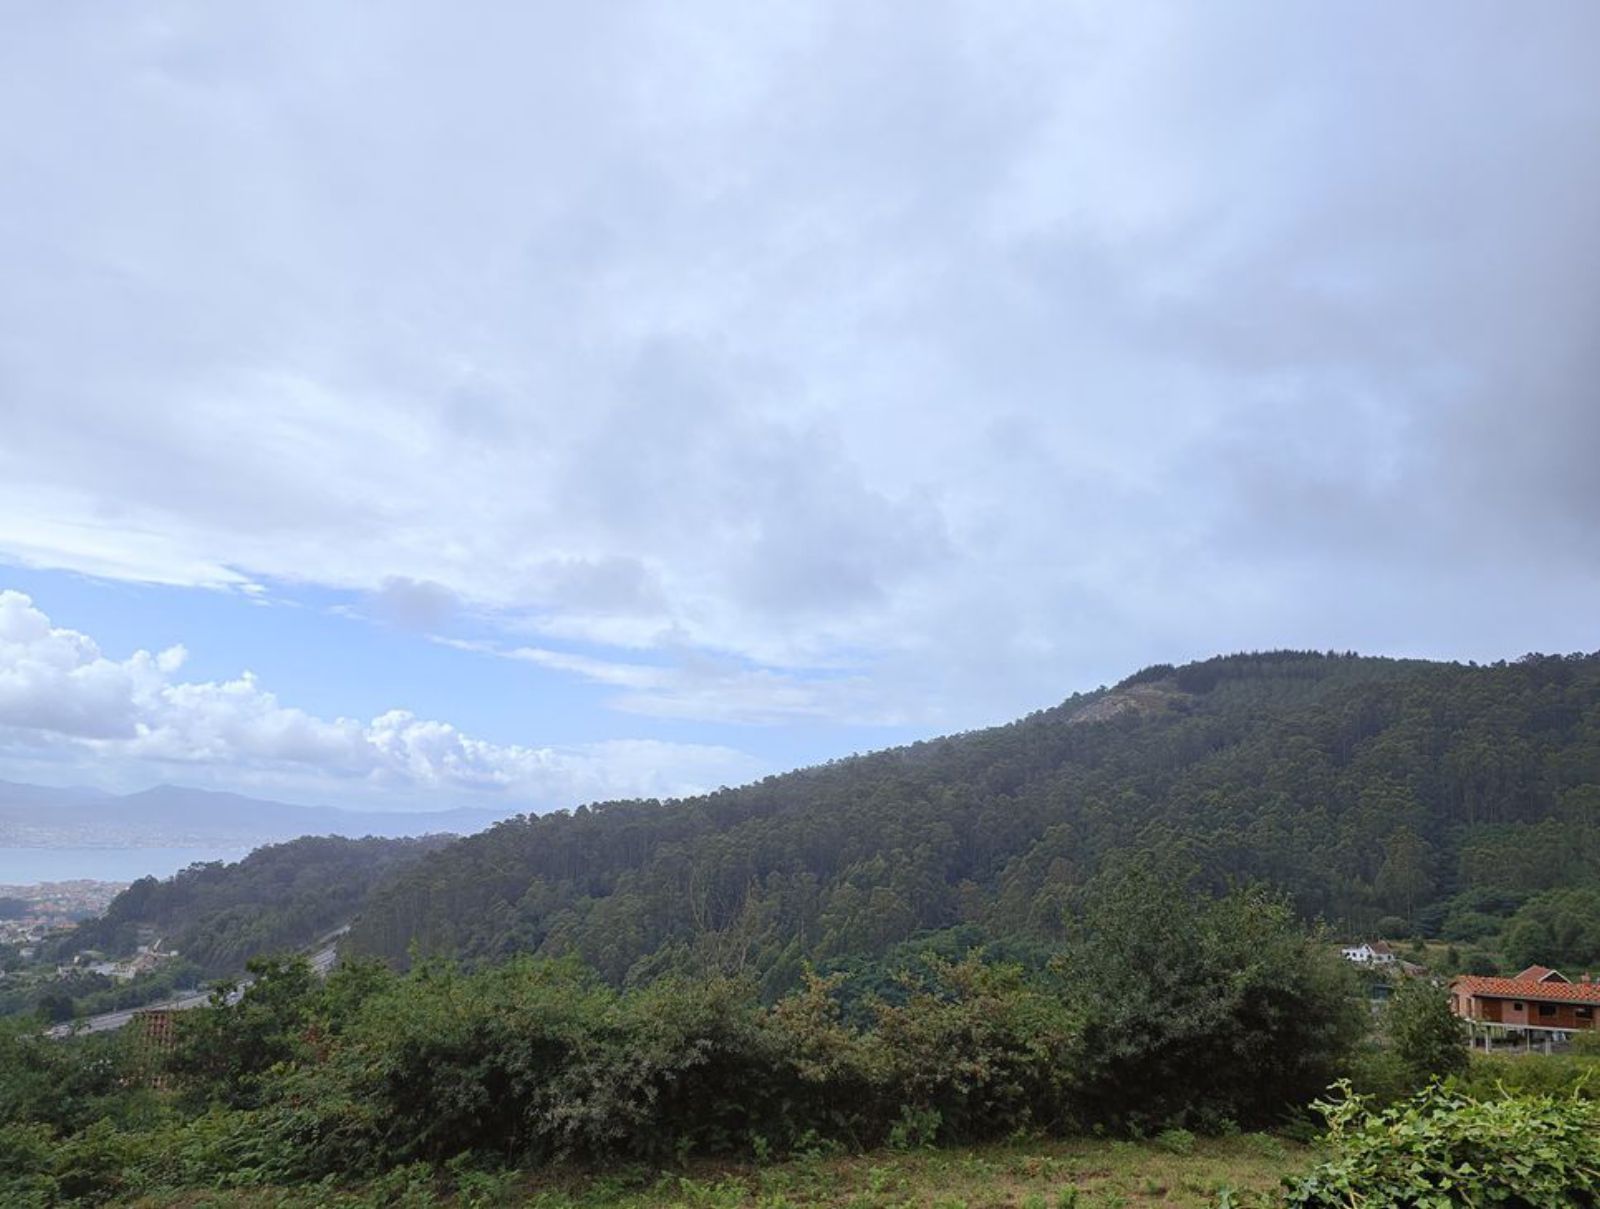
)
(323, 956)
(108, 1021)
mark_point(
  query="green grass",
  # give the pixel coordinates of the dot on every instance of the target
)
(1074, 1174)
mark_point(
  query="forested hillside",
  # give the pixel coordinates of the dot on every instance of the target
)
(1452, 800)
(282, 896)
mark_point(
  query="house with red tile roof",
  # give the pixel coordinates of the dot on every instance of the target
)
(1537, 998)
(1541, 974)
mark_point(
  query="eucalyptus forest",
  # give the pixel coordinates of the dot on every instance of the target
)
(1384, 797)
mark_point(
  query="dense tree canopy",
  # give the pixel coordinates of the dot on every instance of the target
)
(1441, 795)
(279, 897)
(1557, 928)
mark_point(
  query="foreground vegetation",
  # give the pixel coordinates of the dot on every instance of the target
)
(1444, 1148)
(1165, 1029)
(1176, 1170)
(1226, 1015)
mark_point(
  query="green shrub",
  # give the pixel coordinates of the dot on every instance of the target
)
(1586, 1045)
(538, 1061)
(1393, 927)
(1443, 1149)
(1427, 1037)
(916, 1129)
(1176, 1141)
(1222, 1009)
(980, 1051)
(1376, 1072)
(1490, 1075)
(27, 1165)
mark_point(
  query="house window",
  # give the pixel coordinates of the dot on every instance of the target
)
(1586, 1013)
(1516, 1005)
(1547, 1009)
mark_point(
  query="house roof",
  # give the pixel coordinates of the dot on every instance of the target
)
(1541, 974)
(1381, 946)
(1528, 988)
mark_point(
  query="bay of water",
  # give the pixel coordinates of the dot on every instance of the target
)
(24, 866)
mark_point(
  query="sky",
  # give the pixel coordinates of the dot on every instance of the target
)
(525, 404)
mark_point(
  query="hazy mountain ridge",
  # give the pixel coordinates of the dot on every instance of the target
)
(36, 816)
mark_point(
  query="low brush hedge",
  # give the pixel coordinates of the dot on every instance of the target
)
(1441, 1149)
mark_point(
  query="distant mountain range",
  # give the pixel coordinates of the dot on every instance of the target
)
(169, 816)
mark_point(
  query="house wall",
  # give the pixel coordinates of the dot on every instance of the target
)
(1502, 1011)
(1566, 1016)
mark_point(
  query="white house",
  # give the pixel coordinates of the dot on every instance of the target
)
(1377, 953)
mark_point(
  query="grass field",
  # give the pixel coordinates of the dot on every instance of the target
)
(1078, 1174)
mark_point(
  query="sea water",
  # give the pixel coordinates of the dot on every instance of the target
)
(27, 866)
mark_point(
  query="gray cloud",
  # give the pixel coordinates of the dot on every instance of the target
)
(969, 353)
(414, 604)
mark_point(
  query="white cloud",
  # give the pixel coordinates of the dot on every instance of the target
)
(712, 689)
(59, 691)
(708, 689)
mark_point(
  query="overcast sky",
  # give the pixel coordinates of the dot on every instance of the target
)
(529, 403)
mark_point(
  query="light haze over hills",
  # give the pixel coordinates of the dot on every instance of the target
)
(168, 816)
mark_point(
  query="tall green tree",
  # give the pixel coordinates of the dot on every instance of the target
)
(1202, 1011)
(1404, 880)
(1427, 1037)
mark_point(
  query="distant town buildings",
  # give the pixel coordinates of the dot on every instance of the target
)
(146, 959)
(60, 903)
(53, 909)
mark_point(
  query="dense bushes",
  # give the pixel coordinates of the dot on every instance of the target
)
(1425, 1034)
(1203, 1012)
(1575, 1073)
(63, 1087)
(539, 1060)
(1443, 1149)
(536, 1061)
